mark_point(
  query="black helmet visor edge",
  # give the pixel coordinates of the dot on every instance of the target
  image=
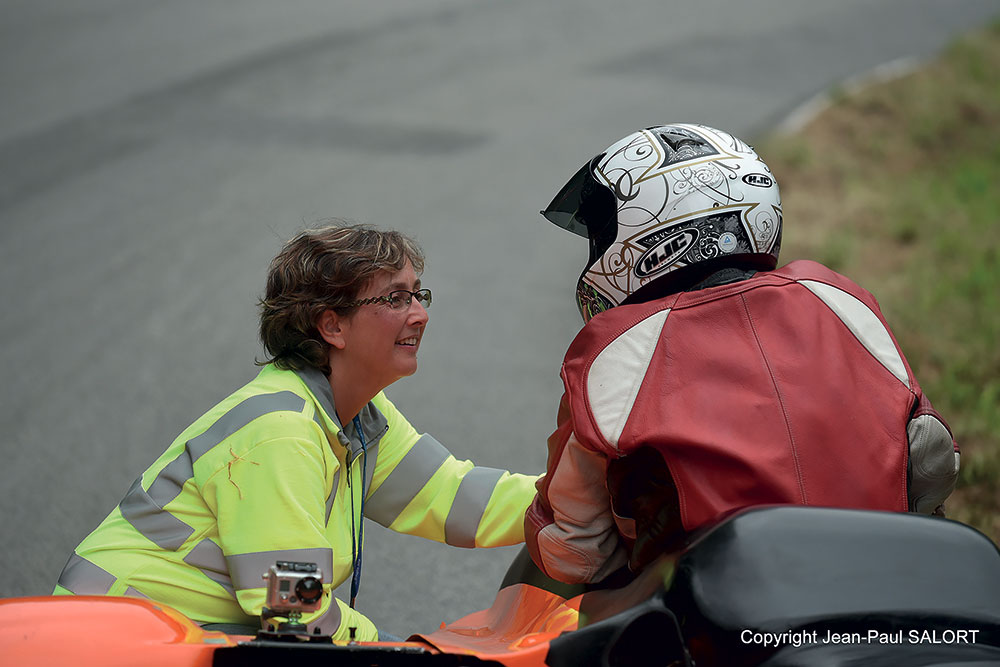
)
(564, 208)
(585, 206)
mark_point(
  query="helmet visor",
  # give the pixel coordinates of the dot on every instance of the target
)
(565, 205)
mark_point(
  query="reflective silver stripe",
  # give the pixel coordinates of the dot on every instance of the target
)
(247, 570)
(469, 506)
(81, 577)
(333, 495)
(864, 324)
(406, 480)
(144, 509)
(329, 622)
(240, 416)
(369, 465)
(336, 476)
(372, 421)
(156, 524)
(207, 556)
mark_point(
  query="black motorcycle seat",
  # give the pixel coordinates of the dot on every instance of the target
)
(773, 568)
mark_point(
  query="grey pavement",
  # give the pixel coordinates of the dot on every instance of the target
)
(154, 155)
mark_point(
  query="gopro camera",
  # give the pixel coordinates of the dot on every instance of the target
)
(294, 587)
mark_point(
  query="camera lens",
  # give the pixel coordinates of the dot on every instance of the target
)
(309, 589)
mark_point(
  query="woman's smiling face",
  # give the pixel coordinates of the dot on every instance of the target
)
(381, 342)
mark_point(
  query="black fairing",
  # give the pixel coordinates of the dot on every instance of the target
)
(785, 568)
(646, 634)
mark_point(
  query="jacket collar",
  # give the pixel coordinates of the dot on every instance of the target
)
(373, 422)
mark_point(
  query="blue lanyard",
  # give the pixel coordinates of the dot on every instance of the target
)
(357, 546)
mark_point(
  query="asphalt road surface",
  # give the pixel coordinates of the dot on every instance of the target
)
(154, 155)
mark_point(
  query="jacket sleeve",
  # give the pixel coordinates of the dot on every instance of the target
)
(420, 488)
(933, 462)
(270, 505)
(570, 529)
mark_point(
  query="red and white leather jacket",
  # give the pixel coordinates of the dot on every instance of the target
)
(787, 387)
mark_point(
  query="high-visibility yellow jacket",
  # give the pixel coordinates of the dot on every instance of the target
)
(263, 477)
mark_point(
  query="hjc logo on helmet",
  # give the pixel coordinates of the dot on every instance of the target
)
(665, 253)
(758, 180)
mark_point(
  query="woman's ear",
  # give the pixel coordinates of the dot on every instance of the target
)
(332, 327)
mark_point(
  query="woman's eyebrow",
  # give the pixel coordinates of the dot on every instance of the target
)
(402, 284)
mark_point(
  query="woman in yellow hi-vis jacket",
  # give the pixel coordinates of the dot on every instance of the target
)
(283, 469)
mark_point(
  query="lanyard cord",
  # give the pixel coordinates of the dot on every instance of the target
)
(358, 545)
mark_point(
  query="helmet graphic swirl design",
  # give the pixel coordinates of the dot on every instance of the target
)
(665, 198)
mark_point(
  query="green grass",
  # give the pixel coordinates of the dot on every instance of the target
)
(898, 186)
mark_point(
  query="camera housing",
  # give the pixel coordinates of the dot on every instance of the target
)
(294, 587)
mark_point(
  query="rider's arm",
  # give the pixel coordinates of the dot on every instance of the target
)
(420, 488)
(933, 462)
(570, 530)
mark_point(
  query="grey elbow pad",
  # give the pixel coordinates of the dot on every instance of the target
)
(933, 465)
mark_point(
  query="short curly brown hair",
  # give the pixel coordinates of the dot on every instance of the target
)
(322, 268)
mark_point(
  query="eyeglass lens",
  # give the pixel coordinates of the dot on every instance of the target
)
(402, 298)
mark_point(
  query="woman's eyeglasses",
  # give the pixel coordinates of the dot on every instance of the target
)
(397, 299)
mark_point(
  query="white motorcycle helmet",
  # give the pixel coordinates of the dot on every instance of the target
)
(664, 199)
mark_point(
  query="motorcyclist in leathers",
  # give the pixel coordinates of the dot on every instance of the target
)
(706, 379)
